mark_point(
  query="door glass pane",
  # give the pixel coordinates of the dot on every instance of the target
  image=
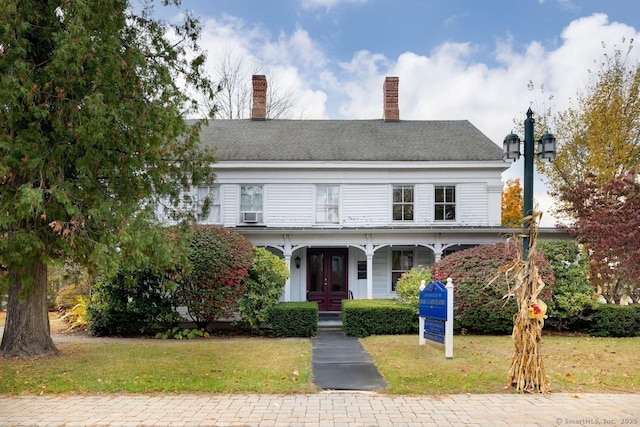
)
(316, 279)
(337, 273)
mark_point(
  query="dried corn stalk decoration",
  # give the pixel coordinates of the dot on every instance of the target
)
(527, 372)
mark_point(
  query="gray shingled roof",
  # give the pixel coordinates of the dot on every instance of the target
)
(348, 140)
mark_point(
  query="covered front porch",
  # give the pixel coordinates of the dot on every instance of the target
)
(328, 265)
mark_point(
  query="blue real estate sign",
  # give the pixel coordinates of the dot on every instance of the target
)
(433, 301)
(433, 307)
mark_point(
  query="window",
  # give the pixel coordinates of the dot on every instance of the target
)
(208, 204)
(327, 203)
(445, 203)
(251, 203)
(403, 202)
(401, 262)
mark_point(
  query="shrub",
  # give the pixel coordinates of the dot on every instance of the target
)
(132, 303)
(361, 318)
(408, 287)
(477, 307)
(609, 320)
(69, 282)
(294, 319)
(178, 333)
(78, 315)
(220, 260)
(264, 286)
(572, 292)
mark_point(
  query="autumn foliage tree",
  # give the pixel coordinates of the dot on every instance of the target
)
(512, 204)
(599, 136)
(598, 143)
(92, 135)
(607, 222)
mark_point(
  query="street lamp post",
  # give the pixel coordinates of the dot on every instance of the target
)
(546, 153)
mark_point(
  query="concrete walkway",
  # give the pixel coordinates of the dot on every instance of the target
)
(323, 409)
(341, 363)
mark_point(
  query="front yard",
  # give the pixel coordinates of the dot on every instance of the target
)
(266, 365)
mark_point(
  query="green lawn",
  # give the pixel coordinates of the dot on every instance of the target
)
(481, 363)
(267, 365)
(214, 365)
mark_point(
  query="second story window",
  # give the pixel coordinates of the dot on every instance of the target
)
(403, 202)
(208, 204)
(327, 203)
(251, 203)
(445, 203)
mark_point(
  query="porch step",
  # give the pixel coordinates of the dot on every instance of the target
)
(330, 320)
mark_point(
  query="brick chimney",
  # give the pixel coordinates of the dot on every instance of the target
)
(259, 108)
(391, 111)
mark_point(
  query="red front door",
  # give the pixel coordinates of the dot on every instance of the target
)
(327, 278)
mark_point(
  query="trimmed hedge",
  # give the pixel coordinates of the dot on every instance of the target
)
(610, 320)
(361, 318)
(294, 319)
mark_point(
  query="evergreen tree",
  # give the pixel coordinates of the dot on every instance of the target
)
(93, 100)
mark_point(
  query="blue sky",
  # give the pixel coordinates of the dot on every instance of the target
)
(456, 59)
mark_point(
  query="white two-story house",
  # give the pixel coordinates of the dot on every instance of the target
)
(352, 204)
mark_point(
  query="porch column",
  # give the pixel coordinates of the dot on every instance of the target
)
(437, 251)
(287, 252)
(369, 251)
(369, 276)
(287, 284)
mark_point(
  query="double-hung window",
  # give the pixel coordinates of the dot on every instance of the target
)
(403, 202)
(445, 203)
(208, 204)
(327, 204)
(401, 262)
(251, 203)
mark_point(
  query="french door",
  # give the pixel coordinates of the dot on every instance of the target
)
(327, 282)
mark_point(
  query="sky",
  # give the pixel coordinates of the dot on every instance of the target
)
(455, 59)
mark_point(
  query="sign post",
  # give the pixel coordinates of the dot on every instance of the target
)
(436, 314)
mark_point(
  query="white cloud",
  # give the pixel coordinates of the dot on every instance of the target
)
(288, 61)
(327, 4)
(446, 84)
(298, 49)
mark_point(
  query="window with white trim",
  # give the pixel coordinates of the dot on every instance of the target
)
(328, 203)
(402, 203)
(208, 203)
(401, 262)
(251, 203)
(445, 203)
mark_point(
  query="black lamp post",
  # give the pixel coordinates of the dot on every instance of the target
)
(546, 153)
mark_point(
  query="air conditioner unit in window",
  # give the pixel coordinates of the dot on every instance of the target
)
(250, 217)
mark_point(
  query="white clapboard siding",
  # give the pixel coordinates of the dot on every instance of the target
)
(423, 199)
(365, 205)
(472, 199)
(381, 273)
(230, 204)
(288, 205)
